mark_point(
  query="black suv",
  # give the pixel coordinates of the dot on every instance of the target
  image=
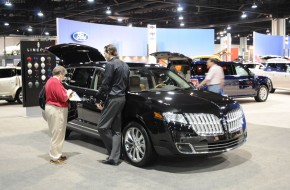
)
(163, 114)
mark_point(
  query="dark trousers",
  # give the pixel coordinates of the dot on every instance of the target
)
(110, 126)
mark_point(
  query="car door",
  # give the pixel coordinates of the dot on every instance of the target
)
(245, 81)
(80, 81)
(91, 114)
(230, 81)
(281, 76)
(7, 81)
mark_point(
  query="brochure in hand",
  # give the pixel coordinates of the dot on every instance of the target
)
(75, 97)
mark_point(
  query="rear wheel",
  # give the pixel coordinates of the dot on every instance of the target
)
(262, 94)
(19, 96)
(137, 145)
(67, 133)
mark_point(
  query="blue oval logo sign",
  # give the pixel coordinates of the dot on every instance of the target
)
(80, 36)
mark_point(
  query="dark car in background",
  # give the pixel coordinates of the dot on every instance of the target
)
(163, 115)
(239, 81)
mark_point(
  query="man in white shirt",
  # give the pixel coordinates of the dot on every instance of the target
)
(214, 78)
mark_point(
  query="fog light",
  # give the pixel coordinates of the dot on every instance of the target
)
(185, 148)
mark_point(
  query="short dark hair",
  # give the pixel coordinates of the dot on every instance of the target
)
(214, 60)
(111, 49)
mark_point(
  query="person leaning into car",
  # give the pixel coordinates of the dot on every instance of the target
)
(214, 78)
(56, 112)
(112, 92)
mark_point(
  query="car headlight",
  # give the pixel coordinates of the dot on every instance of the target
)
(173, 117)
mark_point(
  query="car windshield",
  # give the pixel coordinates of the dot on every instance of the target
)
(155, 79)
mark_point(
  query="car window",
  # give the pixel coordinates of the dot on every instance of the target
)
(149, 79)
(227, 68)
(18, 71)
(241, 71)
(181, 70)
(199, 69)
(6, 73)
(82, 77)
(97, 81)
(288, 68)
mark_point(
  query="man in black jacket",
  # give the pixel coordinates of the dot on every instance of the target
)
(112, 92)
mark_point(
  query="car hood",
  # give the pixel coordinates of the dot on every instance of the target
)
(189, 101)
(72, 54)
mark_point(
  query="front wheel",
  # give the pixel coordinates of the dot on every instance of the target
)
(137, 145)
(19, 96)
(262, 94)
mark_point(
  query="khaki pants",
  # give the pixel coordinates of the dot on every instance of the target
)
(57, 120)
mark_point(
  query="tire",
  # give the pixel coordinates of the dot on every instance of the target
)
(137, 146)
(67, 133)
(19, 97)
(262, 94)
(273, 90)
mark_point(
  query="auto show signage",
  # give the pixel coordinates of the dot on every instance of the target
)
(80, 36)
(36, 69)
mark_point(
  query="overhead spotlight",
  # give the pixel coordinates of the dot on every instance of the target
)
(224, 31)
(244, 15)
(254, 6)
(40, 14)
(8, 3)
(248, 39)
(29, 29)
(108, 11)
(6, 24)
(218, 38)
(46, 33)
(120, 19)
(166, 22)
(267, 31)
(182, 24)
(179, 8)
(229, 27)
(130, 25)
(90, 1)
(180, 18)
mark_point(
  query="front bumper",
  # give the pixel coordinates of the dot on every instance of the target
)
(182, 140)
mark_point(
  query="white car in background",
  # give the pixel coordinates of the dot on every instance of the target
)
(11, 84)
(278, 70)
(254, 66)
(13, 50)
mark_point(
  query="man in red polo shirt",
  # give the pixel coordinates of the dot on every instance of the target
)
(56, 112)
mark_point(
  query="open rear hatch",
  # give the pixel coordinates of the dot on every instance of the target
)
(74, 54)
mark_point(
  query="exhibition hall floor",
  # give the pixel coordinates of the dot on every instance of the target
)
(263, 162)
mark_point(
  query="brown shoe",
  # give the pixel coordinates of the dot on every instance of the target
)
(57, 162)
(63, 158)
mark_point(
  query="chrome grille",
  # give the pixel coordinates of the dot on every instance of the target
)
(234, 120)
(205, 124)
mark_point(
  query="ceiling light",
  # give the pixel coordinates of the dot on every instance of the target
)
(29, 29)
(248, 39)
(180, 18)
(40, 14)
(108, 11)
(182, 24)
(6, 24)
(46, 33)
(7, 3)
(224, 31)
(229, 27)
(218, 38)
(130, 25)
(179, 8)
(254, 6)
(244, 15)
(267, 31)
(90, 1)
(120, 19)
